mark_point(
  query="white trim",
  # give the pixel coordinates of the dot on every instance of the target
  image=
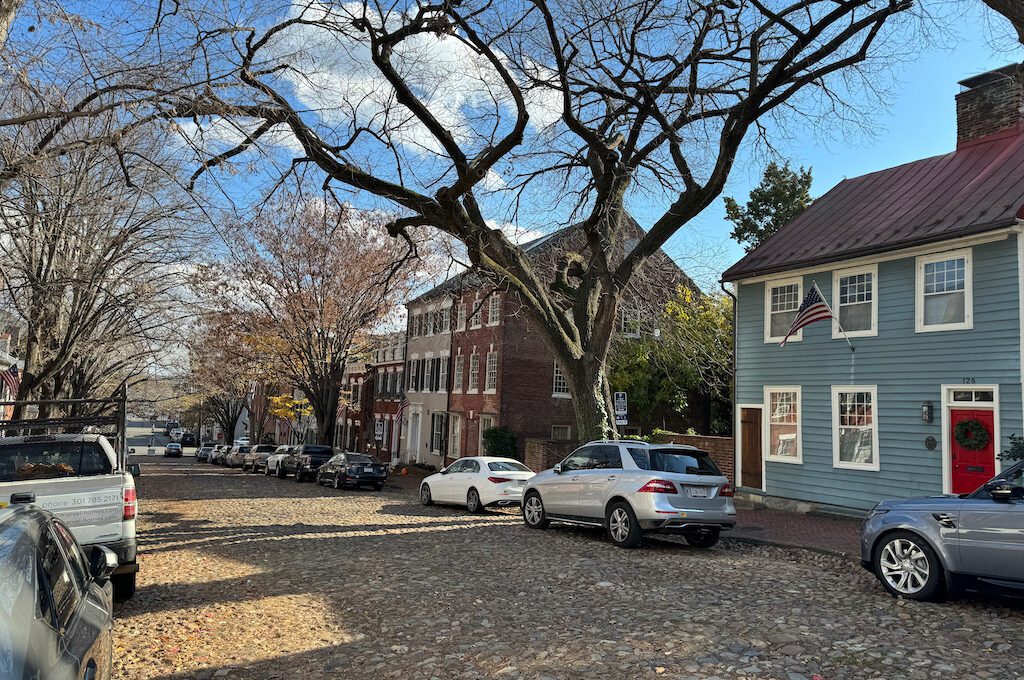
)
(920, 262)
(876, 452)
(738, 463)
(766, 420)
(948, 405)
(776, 283)
(966, 241)
(853, 271)
(1020, 312)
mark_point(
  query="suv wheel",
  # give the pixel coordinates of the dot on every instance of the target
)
(623, 528)
(279, 471)
(473, 503)
(533, 512)
(908, 567)
(705, 539)
(425, 495)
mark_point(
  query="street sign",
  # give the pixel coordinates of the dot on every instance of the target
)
(621, 420)
(620, 404)
(378, 431)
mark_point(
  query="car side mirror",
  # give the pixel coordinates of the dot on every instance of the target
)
(102, 563)
(134, 469)
(557, 469)
(443, 471)
(1000, 492)
(131, 452)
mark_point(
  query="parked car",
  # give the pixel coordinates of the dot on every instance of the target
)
(172, 450)
(171, 425)
(236, 455)
(256, 459)
(477, 483)
(57, 607)
(188, 439)
(273, 463)
(924, 548)
(631, 488)
(218, 454)
(352, 469)
(304, 461)
(203, 454)
(176, 434)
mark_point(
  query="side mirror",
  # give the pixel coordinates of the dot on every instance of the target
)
(1000, 491)
(443, 471)
(557, 469)
(102, 563)
(131, 452)
(134, 469)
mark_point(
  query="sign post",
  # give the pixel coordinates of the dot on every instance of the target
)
(621, 409)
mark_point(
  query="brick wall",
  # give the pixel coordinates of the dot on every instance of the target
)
(989, 108)
(542, 454)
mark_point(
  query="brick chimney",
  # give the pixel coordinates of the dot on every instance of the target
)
(990, 103)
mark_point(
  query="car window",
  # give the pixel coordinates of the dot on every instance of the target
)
(578, 459)
(49, 459)
(61, 582)
(507, 466)
(675, 460)
(471, 466)
(76, 558)
(605, 457)
(358, 459)
(457, 466)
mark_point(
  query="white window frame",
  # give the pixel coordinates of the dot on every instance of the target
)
(766, 423)
(492, 362)
(444, 320)
(457, 370)
(493, 420)
(473, 384)
(566, 428)
(493, 309)
(854, 271)
(442, 372)
(874, 466)
(476, 318)
(554, 384)
(921, 261)
(634, 317)
(454, 435)
(776, 283)
(436, 435)
(460, 324)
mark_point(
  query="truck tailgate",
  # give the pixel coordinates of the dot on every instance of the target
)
(91, 506)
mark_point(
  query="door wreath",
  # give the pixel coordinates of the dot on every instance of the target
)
(971, 434)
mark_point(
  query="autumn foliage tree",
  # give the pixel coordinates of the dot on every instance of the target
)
(307, 279)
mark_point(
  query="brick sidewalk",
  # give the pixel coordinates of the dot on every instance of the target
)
(793, 529)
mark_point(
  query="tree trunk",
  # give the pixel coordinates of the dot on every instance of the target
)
(591, 398)
(325, 409)
(8, 13)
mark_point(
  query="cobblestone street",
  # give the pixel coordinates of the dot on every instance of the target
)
(246, 576)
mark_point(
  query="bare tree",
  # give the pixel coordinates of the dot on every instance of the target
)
(629, 100)
(306, 281)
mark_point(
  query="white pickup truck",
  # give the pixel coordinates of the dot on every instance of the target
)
(77, 477)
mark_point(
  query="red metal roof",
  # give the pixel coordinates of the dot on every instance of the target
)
(977, 188)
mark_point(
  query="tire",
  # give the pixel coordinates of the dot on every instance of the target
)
(337, 484)
(279, 472)
(703, 540)
(907, 566)
(266, 471)
(124, 586)
(534, 515)
(378, 487)
(473, 503)
(622, 526)
(299, 477)
(425, 496)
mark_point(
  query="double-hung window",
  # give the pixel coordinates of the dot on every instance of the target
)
(457, 374)
(491, 376)
(854, 427)
(442, 373)
(493, 309)
(944, 292)
(475, 317)
(560, 386)
(855, 302)
(460, 321)
(629, 322)
(781, 302)
(782, 426)
(474, 372)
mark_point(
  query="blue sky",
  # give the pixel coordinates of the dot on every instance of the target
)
(921, 122)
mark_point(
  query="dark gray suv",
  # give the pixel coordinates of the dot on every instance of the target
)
(923, 548)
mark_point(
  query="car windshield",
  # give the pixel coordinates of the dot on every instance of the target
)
(46, 460)
(356, 458)
(243, 449)
(675, 460)
(507, 466)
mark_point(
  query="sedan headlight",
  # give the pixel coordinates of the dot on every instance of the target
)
(875, 512)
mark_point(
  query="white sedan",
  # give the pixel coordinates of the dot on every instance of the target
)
(477, 483)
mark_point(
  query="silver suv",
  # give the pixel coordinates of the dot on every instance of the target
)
(923, 548)
(632, 487)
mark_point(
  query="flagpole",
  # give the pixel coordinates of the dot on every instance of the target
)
(834, 315)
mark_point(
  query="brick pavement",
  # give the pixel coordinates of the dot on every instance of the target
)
(838, 535)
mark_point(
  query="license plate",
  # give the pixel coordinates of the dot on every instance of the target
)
(698, 492)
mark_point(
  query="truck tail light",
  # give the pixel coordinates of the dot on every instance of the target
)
(658, 486)
(129, 504)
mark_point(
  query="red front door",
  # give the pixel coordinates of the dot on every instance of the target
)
(970, 468)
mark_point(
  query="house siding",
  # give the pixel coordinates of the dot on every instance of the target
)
(907, 367)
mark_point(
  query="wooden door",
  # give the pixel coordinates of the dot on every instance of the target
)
(750, 443)
(970, 468)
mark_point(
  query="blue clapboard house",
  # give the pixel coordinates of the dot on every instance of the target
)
(923, 264)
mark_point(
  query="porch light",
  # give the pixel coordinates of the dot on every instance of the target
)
(927, 411)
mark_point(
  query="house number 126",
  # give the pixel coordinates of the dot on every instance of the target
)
(969, 381)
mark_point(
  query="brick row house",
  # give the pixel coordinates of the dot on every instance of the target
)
(388, 375)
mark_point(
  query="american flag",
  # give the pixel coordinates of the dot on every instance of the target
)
(814, 308)
(12, 379)
(402, 405)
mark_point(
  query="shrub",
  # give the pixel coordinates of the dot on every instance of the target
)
(499, 441)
